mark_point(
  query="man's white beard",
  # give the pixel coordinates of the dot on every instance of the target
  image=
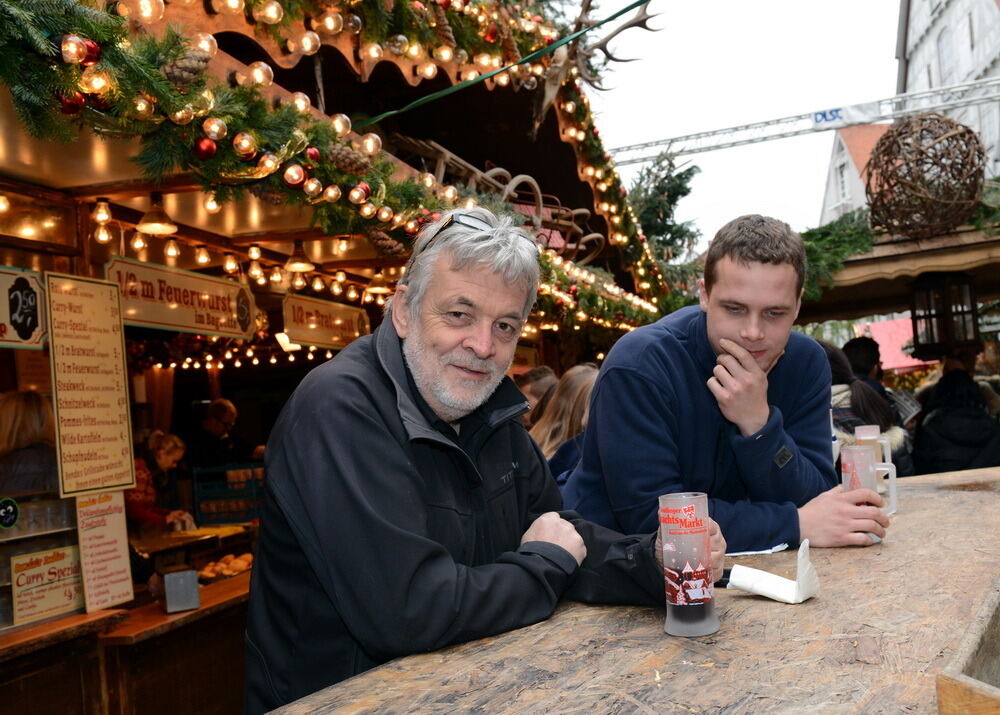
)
(429, 376)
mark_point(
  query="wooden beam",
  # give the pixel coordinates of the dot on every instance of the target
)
(28, 244)
(344, 264)
(309, 234)
(129, 188)
(35, 191)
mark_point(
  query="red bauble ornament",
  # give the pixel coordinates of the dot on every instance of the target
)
(492, 32)
(312, 153)
(573, 290)
(549, 40)
(419, 6)
(71, 104)
(93, 55)
(363, 185)
(205, 148)
(595, 132)
(98, 102)
(446, 4)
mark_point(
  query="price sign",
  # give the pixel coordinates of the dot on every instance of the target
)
(22, 320)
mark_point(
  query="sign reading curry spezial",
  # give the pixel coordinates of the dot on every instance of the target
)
(155, 296)
(309, 321)
(22, 313)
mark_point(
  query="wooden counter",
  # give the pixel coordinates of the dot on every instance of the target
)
(886, 620)
(187, 662)
(56, 666)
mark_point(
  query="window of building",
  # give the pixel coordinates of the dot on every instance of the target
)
(946, 58)
(842, 181)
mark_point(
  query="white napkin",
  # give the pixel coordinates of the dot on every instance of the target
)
(805, 585)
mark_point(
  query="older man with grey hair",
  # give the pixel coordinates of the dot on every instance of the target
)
(406, 507)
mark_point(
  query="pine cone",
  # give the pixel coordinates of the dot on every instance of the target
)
(511, 55)
(385, 244)
(186, 68)
(267, 193)
(349, 160)
(441, 27)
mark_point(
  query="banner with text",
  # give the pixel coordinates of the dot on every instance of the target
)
(22, 318)
(45, 584)
(107, 575)
(90, 381)
(309, 321)
(155, 296)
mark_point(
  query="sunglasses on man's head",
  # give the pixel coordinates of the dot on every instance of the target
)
(462, 220)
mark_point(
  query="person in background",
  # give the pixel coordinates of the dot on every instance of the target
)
(536, 382)
(406, 508)
(27, 443)
(145, 505)
(724, 398)
(955, 430)
(535, 413)
(854, 402)
(865, 357)
(214, 444)
(560, 430)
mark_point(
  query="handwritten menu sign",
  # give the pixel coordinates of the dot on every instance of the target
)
(107, 575)
(22, 320)
(93, 429)
(45, 583)
(321, 322)
(168, 298)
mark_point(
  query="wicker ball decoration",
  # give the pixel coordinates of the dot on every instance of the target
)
(925, 176)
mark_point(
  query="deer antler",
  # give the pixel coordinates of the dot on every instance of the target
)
(640, 19)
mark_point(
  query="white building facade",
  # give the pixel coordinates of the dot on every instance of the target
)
(946, 42)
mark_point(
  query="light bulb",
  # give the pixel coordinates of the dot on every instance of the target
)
(183, 116)
(269, 12)
(450, 193)
(384, 214)
(352, 293)
(294, 174)
(312, 187)
(357, 195)
(138, 241)
(372, 51)
(307, 43)
(415, 51)
(211, 205)
(342, 246)
(330, 22)
(244, 144)
(367, 210)
(329, 354)
(4, 204)
(73, 48)
(206, 43)
(301, 101)
(253, 253)
(332, 193)
(273, 360)
(101, 213)
(214, 128)
(443, 53)
(202, 256)
(428, 70)
(269, 162)
(482, 59)
(469, 75)
(150, 10)
(171, 248)
(258, 73)
(102, 234)
(254, 270)
(318, 284)
(229, 263)
(569, 107)
(340, 276)
(276, 276)
(95, 81)
(230, 7)
(299, 281)
(261, 279)
(371, 144)
(502, 79)
(341, 124)
(336, 288)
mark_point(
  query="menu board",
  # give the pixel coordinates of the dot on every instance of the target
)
(155, 296)
(87, 348)
(107, 575)
(45, 583)
(322, 323)
(22, 320)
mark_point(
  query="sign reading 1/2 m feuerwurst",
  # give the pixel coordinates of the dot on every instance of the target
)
(22, 317)
(155, 296)
(90, 385)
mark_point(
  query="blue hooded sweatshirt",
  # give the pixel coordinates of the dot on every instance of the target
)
(655, 428)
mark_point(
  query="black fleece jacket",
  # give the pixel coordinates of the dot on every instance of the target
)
(381, 536)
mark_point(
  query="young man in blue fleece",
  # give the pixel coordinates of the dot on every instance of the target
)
(724, 399)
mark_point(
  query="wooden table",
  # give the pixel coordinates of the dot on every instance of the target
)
(886, 620)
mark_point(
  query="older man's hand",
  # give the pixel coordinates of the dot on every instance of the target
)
(717, 544)
(839, 518)
(552, 528)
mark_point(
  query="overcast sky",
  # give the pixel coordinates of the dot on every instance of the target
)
(720, 63)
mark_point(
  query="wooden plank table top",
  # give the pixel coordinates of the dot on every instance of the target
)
(41, 635)
(151, 620)
(886, 620)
